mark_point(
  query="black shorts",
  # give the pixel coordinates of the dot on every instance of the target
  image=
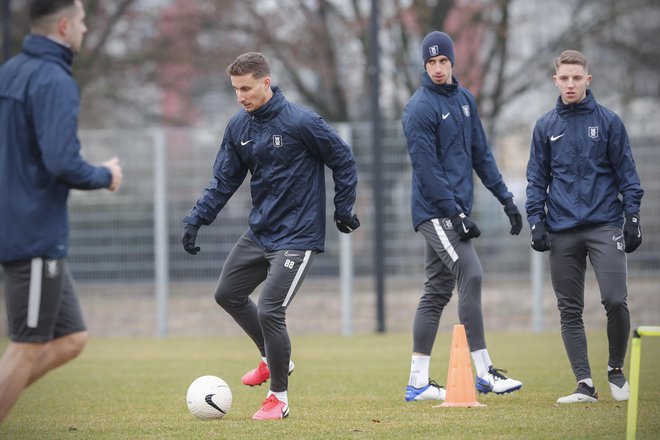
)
(41, 301)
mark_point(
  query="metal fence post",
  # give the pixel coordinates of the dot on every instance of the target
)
(346, 261)
(537, 290)
(346, 277)
(161, 256)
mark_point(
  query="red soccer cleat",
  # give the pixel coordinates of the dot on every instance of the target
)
(271, 409)
(260, 374)
(257, 376)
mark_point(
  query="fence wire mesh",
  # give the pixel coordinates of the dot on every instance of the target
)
(112, 243)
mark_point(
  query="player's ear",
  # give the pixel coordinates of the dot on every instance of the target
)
(63, 26)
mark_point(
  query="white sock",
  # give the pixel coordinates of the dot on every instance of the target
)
(263, 358)
(587, 381)
(419, 371)
(482, 361)
(281, 396)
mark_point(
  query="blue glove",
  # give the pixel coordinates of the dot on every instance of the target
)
(511, 210)
(540, 237)
(188, 239)
(347, 225)
(465, 226)
(632, 232)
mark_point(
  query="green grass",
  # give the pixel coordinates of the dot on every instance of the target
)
(343, 388)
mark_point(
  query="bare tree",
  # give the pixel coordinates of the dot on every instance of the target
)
(161, 65)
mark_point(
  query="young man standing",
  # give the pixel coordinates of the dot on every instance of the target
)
(582, 184)
(39, 162)
(286, 148)
(446, 143)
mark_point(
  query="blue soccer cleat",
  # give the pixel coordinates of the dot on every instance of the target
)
(494, 381)
(432, 391)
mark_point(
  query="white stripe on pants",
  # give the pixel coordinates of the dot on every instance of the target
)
(34, 297)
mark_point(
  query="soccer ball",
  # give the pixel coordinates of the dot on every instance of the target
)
(209, 397)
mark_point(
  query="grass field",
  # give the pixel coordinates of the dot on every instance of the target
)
(343, 388)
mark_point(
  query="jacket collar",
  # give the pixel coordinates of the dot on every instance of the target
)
(442, 89)
(43, 47)
(584, 107)
(270, 109)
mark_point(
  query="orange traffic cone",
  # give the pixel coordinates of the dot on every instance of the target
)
(460, 382)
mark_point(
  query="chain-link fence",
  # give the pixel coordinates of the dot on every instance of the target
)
(125, 250)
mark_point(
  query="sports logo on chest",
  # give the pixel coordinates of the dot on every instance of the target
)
(593, 132)
(277, 140)
(466, 110)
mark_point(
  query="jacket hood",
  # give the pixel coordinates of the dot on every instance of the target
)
(45, 48)
(584, 107)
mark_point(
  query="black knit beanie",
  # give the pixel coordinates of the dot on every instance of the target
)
(435, 44)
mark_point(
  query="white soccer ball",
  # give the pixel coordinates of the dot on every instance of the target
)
(209, 397)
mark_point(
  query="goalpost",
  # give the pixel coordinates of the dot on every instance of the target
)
(635, 355)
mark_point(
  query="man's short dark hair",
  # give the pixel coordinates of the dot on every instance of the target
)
(39, 9)
(254, 63)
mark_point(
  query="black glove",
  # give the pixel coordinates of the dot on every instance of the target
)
(511, 210)
(188, 239)
(632, 232)
(465, 226)
(347, 225)
(540, 237)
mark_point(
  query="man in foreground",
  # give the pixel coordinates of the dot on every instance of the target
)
(286, 148)
(39, 163)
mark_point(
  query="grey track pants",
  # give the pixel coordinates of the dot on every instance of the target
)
(448, 260)
(568, 262)
(281, 272)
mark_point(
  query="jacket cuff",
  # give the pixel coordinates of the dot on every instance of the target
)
(192, 220)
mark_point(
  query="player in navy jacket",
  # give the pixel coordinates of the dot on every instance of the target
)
(582, 183)
(40, 151)
(40, 162)
(285, 148)
(442, 123)
(446, 142)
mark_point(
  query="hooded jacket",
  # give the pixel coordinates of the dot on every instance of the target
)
(446, 141)
(285, 147)
(39, 151)
(580, 161)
